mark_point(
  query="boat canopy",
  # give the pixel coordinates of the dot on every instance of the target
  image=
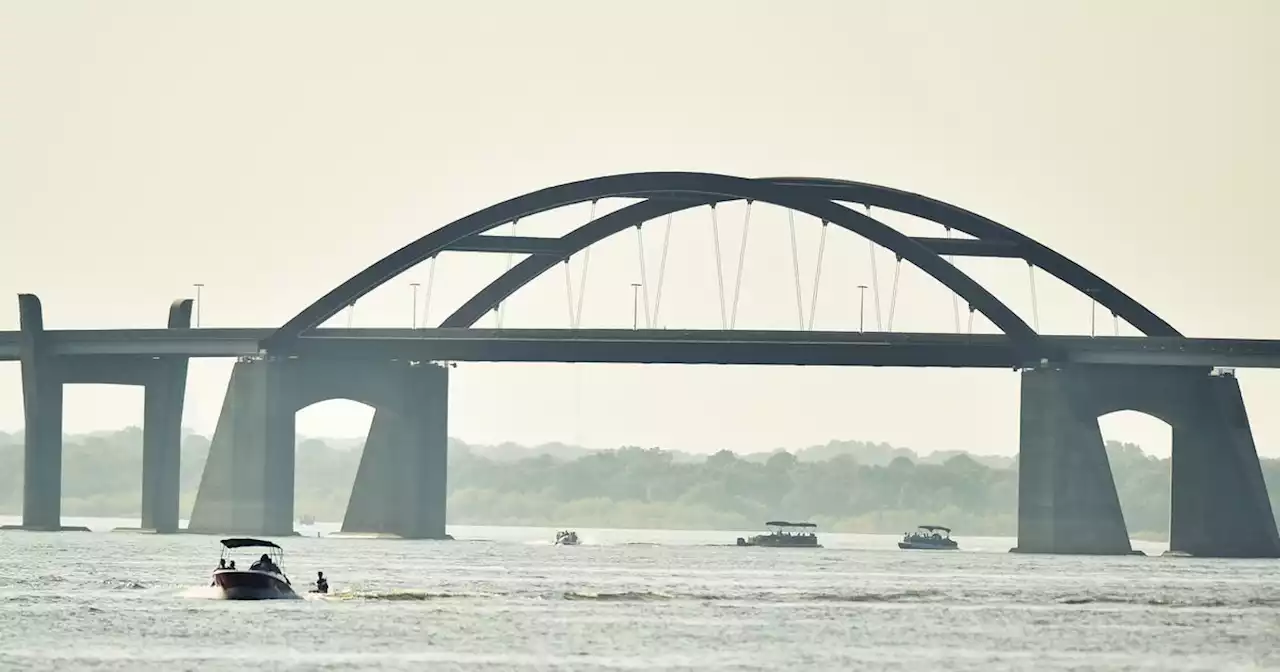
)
(783, 523)
(932, 528)
(245, 542)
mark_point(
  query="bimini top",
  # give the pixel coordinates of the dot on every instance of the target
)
(931, 528)
(783, 523)
(243, 542)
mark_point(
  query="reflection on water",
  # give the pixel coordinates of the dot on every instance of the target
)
(506, 598)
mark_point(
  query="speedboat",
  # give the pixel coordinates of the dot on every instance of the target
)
(566, 538)
(783, 534)
(929, 538)
(262, 581)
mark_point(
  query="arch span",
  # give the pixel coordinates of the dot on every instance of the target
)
(886, 198)
(702, 187)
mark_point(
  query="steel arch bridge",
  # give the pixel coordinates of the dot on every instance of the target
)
(663, 194)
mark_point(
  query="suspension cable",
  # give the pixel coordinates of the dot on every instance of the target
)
(568, 290)
(502, 304)
(644, 276)
(955, 298)
(662, 269)
(351, 314)
(431, 281)
(742, 259)
(893, 295)
(1115, 323)
(971, 312)
(1035, 304)
(715, 236)
(875, 283)
(795, 266)
(582, 280)
(817, 275)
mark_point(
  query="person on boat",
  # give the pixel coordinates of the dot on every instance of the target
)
(222, 563)
(264, 564)
(232, 566)
(322, 584)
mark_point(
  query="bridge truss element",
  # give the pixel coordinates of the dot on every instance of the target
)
(666, 193)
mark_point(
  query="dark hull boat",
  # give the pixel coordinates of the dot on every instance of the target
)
(239, 584)
(785, 535)
(264, 580)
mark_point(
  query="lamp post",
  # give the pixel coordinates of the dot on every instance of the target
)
(199, 286)
(415, 285)
(635, 306)
(862, 305)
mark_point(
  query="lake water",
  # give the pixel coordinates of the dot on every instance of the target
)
(507, 599)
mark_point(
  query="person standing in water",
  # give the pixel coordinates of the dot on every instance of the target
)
(322, 584)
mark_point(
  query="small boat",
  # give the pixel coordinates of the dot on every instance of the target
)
(307, 519)
(566, 538)
(264, 580)
(929, 538)
(783, 534)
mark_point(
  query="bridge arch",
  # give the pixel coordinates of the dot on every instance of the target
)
(663, 189)
(886, 198)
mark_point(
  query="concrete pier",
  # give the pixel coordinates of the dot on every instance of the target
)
(248, 483)
(1067, 500)
(43, 376)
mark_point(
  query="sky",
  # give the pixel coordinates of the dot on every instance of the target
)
(271, 150)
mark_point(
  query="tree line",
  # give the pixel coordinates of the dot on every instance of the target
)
(843, 486)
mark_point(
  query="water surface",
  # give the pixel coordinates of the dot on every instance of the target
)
(506, 598)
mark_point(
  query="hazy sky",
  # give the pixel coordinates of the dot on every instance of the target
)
(271, 149)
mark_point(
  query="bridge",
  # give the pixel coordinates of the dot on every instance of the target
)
(1067, 498)
(665, 346)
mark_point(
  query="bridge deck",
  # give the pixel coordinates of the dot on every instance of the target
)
(677, 346)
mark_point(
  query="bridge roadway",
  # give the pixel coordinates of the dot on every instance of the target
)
(818, 348)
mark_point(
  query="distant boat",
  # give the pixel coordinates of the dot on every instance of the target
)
(566, 538)
(783, 534)
(929, 538)
(307, 519)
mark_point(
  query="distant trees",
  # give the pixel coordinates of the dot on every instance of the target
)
(846, 486)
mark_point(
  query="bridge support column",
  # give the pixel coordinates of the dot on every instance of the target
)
(1067, 501)
(247, 487)
(1220, 506)
(401, 488)
(165, 388)
(42, 414)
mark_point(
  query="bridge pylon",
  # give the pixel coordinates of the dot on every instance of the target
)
(1067, 500)
(44, 374)
(400, 488)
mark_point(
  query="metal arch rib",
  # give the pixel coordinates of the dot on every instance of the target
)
(1034, 252)
(709, 187)
(761, 190)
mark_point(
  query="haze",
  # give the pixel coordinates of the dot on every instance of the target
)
(271, 150)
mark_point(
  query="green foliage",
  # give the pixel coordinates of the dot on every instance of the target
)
(842, 486)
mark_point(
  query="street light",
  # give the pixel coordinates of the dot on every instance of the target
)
(862, 305)
(635, 305)
(415, 286)
(199, 286)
